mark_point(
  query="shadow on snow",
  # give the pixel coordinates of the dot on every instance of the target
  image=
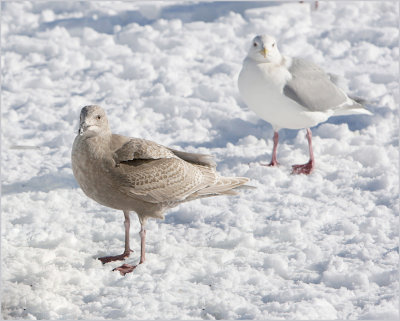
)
(207, 12)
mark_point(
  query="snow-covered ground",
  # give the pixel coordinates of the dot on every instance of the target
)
(323, 246)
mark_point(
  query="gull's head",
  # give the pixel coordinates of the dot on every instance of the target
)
(264, 49)
(93, 121)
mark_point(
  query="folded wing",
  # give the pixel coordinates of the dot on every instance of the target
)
(156, 174)
(312, 88)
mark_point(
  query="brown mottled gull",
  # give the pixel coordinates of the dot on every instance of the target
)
(132, 174)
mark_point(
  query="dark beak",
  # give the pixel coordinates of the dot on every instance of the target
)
(82, 128)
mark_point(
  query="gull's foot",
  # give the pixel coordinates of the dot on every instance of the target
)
(271, 164)
(125, 268)
(303, 169)
(121, 257)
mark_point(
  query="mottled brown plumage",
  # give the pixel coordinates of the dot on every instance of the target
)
(132, 174)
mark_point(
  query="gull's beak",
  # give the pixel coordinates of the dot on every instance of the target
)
(82, 128)
(264, 52)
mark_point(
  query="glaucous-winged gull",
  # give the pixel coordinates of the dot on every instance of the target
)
(132, 174)
(290, 93)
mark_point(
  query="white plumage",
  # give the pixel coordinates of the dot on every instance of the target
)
(290, 93)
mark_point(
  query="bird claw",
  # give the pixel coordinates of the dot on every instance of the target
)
(271, 164)
(121, 257)
(303, 169)
(125, 268)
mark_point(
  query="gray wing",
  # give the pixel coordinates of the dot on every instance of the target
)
(312, 88)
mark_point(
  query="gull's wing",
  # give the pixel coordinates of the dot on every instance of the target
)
(136, 148)
(313, 89)
(194, 158)
(163, 180)
(153, 173)
(127, 148)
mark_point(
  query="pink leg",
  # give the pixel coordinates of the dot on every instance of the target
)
(308, 167)
(127, 268)
(274, 161)
(127, 251)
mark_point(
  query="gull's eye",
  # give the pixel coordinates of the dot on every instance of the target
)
(255, 44)
(98, 117)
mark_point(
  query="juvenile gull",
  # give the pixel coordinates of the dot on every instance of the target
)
(132, 174)
(290, 93)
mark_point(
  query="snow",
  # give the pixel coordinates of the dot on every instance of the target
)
(323, 246)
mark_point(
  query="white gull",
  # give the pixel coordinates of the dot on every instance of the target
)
(290, 93)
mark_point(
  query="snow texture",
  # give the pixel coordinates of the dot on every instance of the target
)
(323, 246)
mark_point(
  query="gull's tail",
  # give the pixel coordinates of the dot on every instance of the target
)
(222, 186)
(359, 100)
(355, 109)
(353, 106)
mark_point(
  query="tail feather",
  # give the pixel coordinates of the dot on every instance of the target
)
(355, 109)
(353, 106)
(359, 100)
(235, 190)
(223, 185)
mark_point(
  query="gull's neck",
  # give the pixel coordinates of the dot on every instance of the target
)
(280, 62)
(97, 144)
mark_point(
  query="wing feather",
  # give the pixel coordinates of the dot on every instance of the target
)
(312, 88)
(200, 159)
(163, 180)
(137, 148)
(154, 173)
